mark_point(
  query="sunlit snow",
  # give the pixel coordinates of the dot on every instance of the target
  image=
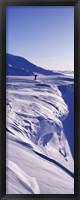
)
(39, 157)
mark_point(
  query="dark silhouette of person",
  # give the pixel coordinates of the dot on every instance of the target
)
(35, 76)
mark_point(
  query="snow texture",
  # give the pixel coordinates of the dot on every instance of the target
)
(39, 134)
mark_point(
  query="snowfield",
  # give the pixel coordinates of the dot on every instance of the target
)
(39, 149)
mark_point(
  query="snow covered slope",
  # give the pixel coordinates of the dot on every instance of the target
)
(19, 66)
(39, 158)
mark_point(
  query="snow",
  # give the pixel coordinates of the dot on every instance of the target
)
(39, 157)
(9, 65)
(29, 182)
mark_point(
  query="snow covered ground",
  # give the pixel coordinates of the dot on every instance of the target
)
(38, 147)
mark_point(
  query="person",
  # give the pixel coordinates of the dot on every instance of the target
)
(35, 76)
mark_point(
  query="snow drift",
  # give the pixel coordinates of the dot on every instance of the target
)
(37, 145)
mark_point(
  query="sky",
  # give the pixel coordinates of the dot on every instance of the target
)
(44, 35)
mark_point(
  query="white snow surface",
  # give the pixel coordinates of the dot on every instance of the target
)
(39, 159)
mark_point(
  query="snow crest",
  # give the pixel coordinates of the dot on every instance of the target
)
(35, 114)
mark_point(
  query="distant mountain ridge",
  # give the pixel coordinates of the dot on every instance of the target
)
(19, 66)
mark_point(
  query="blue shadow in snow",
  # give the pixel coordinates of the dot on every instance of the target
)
(56, 163)
(68, 123)
(43, 85)
(46, 138)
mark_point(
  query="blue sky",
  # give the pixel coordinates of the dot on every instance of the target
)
(42, 35)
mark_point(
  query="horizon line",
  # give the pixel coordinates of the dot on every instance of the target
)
(39, 65)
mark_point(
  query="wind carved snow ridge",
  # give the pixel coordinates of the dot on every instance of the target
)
(55, 162)
(48, 114)
(35, 117)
